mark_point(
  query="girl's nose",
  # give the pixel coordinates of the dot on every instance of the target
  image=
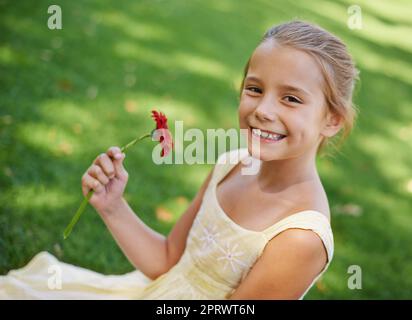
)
(265, 111)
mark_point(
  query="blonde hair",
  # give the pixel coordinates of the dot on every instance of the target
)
(337, 66)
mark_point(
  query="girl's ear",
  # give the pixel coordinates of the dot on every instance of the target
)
(333, 124)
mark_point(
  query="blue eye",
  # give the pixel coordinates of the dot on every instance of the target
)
(293, 99)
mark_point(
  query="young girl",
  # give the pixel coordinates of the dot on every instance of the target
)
(262, 236)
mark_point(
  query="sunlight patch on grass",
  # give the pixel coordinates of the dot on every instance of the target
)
(387, 161)
(408, 185)
(223, 5)
(396, 14)
(7, 56)
(65, 113)
(372, 29)
(133, 28)
(405, 132)
(387, 34)
(378, 63)
(29, 197)
(182, 61)
(203, 66)
(375, 31)
(48, 138)
(132, 50)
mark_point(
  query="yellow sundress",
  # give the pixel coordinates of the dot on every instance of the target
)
(219, 254)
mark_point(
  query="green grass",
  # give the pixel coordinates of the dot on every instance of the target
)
(67, 95)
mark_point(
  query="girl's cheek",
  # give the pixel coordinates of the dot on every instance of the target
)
(246, 107)
(243, 110)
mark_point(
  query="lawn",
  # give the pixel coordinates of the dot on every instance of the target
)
(67, 95)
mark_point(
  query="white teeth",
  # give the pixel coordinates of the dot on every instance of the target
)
(267, 135)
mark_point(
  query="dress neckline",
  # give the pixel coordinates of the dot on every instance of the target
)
(238, 226)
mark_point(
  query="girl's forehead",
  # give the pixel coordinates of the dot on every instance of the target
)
(271, 61)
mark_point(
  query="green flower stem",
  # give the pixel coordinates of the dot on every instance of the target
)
(127, 146)
(83, 205)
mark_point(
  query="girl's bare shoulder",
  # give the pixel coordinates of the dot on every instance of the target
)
(309, 196)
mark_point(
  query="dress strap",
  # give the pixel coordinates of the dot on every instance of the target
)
(308, 220)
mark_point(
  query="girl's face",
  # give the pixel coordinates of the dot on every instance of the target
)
(282, 94)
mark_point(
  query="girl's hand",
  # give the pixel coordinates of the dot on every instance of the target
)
(108, 178)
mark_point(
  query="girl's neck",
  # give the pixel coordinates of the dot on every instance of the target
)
(278, 175)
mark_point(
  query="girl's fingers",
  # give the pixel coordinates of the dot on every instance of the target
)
(114, 152)
(88, 183)
(96, 172)
(121, 172)
(106, 164)
(118, 156)
(109, 165)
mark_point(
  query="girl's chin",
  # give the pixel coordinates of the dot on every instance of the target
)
(264, 150)
(262, 153)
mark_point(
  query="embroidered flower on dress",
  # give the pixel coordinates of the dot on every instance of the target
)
(230, 257)
(209, 237)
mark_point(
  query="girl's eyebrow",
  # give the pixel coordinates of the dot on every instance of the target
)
(295, 89)
(252, 78)
(284, 86)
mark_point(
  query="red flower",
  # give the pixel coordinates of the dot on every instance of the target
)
(162, 133)
(160, 118)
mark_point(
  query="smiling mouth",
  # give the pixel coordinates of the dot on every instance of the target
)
(267, 136)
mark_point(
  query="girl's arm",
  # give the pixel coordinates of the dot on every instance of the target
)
(288, 265)
(149, 251)
(144, 247)
(176, 239)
